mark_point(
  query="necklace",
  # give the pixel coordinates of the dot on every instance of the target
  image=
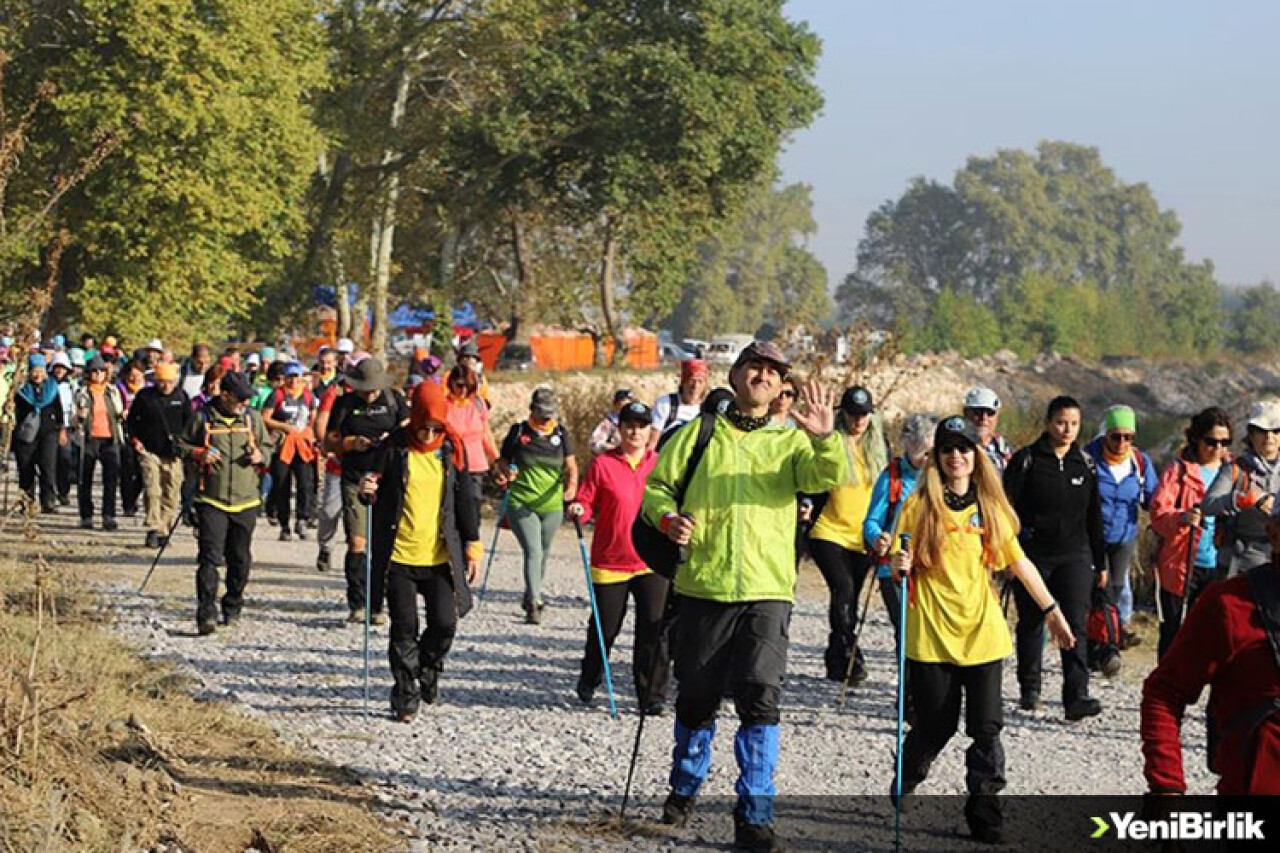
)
(746, 423)
(956, 502)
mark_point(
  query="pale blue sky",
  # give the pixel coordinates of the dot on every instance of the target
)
(1184, 96)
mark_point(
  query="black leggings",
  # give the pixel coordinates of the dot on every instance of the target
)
(301, 475)
(1071, 582)
(844, 571)
(41, 454)
(1171, 606)
(416, 658)
(104, 452)
(650, 659)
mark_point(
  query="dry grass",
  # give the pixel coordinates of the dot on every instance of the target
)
(103, 751)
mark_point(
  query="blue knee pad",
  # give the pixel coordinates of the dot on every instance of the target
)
(756, 749)
(691, 758)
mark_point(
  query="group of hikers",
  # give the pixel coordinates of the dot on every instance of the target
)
(739, 482)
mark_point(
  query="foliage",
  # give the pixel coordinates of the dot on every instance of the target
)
(756, 269)
(1255, 323)
(1052, 244)
(177, 231)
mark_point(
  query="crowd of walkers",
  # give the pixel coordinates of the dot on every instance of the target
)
(739, 482)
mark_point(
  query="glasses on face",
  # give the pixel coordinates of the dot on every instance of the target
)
(789, 394)
(1262, 431)
(1215, 442)
(1120, 437)
(432, 431)
(978, 414)
(963, 449)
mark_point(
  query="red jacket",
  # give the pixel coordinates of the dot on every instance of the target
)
(1222, 644)
(1180, 489)
(612, 492)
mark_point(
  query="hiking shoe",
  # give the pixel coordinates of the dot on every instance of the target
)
(430, 685)
(405, 716)
(64, 500)
(271, 519)
(230, 619)
(86, 524)
(756, 837)
(153, 539)
(356, 615)
(322, 561)
(1029, 700)
(110, 524)
(300, 529)
(585, 693)
(654, 708)
(313, 523)
(677, 809)
(204, 629)
(162, 541)
(285, 535)
(988, 834)
(533, 616)
(1081, 708)
(1128, 639)
(378, 619)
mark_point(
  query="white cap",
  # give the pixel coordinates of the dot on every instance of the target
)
(982, 398)
(61, 359)
(346, 345)
(76, 354)
(155, 344)
(253, 358)
(1265, 414)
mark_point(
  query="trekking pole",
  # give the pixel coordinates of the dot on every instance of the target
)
(1193, 542)
(857, 634)
(595, 616)
(668, 610)
(164, 546)
(493, 546)
(905, 540)
(368, 598)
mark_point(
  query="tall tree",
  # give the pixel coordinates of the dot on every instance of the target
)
(179, 229)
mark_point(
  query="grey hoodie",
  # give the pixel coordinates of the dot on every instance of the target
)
(1245, 544)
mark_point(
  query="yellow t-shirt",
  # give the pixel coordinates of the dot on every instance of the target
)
(419, 539)
(847, 505)
(954, 616)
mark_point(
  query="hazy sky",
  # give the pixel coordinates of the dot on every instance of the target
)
(1184, 96)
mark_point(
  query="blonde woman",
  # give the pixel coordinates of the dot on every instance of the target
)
(962, 529)
(835, 543)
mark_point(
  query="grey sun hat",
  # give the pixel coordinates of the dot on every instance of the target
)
(917, 431)
(545, 403)
(368, 375)
(982, 398)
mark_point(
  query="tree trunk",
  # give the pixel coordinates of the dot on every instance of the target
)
(608, 308)
(522, 307)
(338, 270)
(384, 227)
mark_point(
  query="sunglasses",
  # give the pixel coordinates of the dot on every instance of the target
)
(1216, 442)
(432, 430)
(983, 413)
(1120, 437)
(944, 449)
(788, 394)
(1275, 431)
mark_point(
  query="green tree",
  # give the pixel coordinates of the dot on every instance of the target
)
(1255, 322)
(178, 231)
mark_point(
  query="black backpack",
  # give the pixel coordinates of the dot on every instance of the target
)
(652, 545)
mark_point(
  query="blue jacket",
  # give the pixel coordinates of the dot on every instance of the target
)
(1120, 501)
(878, 520)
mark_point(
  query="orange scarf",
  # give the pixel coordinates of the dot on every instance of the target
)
(430, 404)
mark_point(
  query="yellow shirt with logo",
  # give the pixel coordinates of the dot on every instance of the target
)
(954, 616)
(419, 538)
(847, 504)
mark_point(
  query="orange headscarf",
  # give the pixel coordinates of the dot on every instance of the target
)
(429, 403)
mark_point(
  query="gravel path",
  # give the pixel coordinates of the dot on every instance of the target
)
(510, 758)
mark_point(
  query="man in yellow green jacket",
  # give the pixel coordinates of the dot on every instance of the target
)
(736, 585)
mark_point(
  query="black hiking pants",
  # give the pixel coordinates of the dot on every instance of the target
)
(130, 479)
(844, 571)
(39, 456)
(650, 661)
(104, 452)
(417, 659)
(1071, 580)
(936, 690)
(296, 476)
(222, 535)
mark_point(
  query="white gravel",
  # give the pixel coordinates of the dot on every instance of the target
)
(510, 759)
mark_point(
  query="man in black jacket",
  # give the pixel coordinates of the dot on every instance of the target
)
(1054, 489)
(159, 415)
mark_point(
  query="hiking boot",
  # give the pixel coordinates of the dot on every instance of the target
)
(313, 523)
(230, 619)
(377, 619)
(64, 500)
(1081, 708)
(86, 524)
(300, 529)
(322, 561)
(162, 541)
(356, 615)
(654, 708)
(271, 520)
(204, 629)
(677, 809)
(1128, 639)
(1111, 666)
(109, 524)
(285, 535)
(756, 837)
(405, 716)
(153, 539)
(1029, 700)
(585, 692)
(533, 616)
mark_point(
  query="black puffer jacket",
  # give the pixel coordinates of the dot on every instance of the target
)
(1057, 502)
(459, 514)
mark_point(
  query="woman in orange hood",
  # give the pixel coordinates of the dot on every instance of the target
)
(426, 526)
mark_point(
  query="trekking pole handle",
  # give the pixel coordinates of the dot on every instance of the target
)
(577, 525)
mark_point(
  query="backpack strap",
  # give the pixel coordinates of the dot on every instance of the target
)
(673, 412)
(895, 484)
(706, 426)
(1265, 586)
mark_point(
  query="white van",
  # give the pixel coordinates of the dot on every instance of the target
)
(725, 348)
